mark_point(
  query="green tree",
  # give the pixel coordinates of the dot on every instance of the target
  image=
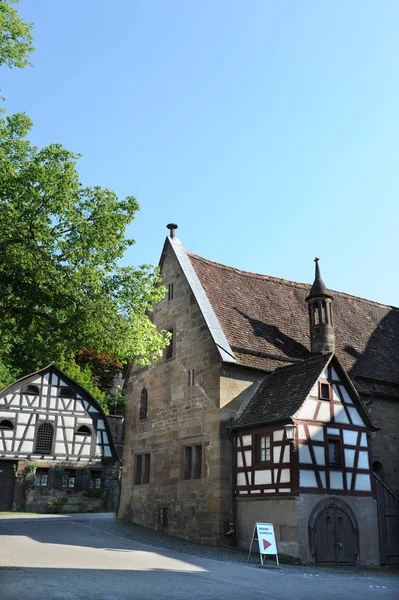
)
(61, 288)
(15, 36)
(60, 243)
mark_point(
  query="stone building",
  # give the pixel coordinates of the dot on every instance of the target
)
(206, 450)
(57, 452)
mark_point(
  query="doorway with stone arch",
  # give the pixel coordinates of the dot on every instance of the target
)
(333, 533)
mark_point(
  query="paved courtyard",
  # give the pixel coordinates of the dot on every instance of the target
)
(93, 557)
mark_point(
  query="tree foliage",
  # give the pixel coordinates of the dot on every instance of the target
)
(60, 243)
(15, 36)
(62, 289)
(103, 366)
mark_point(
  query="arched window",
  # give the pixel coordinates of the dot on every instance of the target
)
(83, 430)
(31, 389)
(143, 404)
(378, 469)
(6, 424)
(44, 438)
(316, 316)
(66, 391)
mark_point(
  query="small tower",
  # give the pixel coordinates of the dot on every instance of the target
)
(320, 316)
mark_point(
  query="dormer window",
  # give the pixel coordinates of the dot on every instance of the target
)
(65, 391)
(324, 391)
(83, 430)
(6, 424)
(31, 389)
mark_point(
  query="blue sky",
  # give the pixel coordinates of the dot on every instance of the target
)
(267, 130)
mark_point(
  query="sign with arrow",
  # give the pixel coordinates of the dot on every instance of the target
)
(264, 533)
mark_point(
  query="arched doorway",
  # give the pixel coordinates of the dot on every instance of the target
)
(333, 534)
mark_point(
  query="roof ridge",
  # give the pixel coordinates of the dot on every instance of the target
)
(286, 282)
(319, 357)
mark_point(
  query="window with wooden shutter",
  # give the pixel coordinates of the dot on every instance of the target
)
(44, 439)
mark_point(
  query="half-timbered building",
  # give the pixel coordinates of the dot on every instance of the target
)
(56, 448)
(276, 401)
(306, 435)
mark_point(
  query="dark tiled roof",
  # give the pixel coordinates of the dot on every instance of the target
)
(282, 392)
(269, 315)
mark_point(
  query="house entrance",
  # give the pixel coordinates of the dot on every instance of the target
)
(7, 484)
(334, 537)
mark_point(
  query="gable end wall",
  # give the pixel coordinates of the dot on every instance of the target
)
(178, 414)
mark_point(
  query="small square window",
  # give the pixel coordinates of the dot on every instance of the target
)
(69, 478)
(41, 477)
(95, 480)
(262, 448)
(324, 391)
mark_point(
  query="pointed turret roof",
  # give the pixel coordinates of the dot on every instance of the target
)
(318, 288)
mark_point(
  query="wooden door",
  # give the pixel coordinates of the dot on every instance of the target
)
(388, 522)
(7, 484)
(334, 538)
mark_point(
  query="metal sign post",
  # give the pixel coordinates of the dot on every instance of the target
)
(266, 541)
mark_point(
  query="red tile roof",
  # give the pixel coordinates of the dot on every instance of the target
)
(268, 315)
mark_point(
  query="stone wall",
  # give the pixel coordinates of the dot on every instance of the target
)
(290, 517)
(55, 498)
(279, 511)
(237, 386)
(178, 415)
(384, 412)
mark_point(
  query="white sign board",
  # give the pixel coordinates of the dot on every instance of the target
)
(266, 541)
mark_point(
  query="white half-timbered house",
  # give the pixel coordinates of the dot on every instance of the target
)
(56, 437)
(306, 435)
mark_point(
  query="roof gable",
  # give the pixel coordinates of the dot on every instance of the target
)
(346, 407)
(59, 380)
(282, 393)
(201, 297)
(291, 392)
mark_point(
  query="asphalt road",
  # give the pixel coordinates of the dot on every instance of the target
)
(75, 557)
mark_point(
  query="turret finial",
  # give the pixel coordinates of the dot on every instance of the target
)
(320, 315)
